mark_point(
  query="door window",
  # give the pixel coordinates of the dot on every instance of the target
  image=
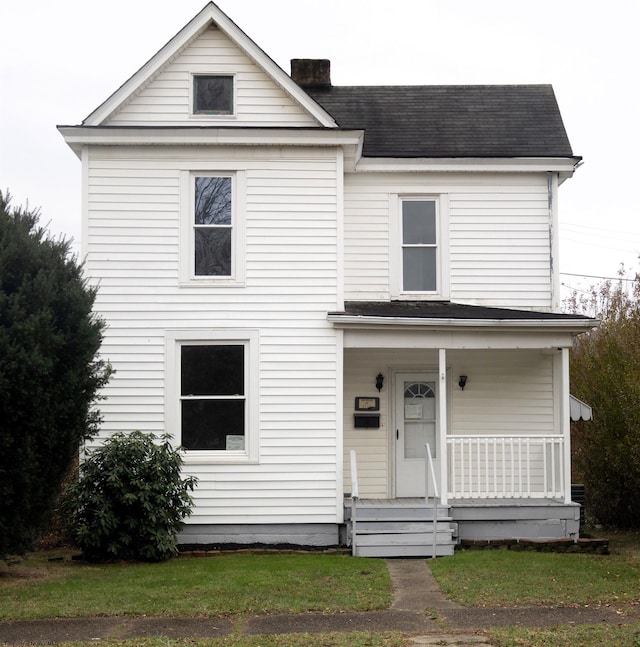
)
(419, 418)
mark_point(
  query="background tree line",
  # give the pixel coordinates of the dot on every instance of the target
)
(605, 373)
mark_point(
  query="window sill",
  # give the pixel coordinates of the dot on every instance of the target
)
(420, 296)
(206, 457)
(211, 283)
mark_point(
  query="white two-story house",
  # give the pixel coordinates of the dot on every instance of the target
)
(308, 285)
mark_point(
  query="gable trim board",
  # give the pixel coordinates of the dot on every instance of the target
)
(210, 14)
(320, 172)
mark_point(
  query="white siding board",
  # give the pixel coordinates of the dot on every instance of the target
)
(165, 100)
(291, 283)
(498, 235)
(508, 393)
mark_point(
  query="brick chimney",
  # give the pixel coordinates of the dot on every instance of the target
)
(311, 72)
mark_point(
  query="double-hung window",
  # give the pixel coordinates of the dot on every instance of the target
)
(212, 398)
(212, 236)
(212, 226)
(420, 248)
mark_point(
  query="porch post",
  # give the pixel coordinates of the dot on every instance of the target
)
(442, 422)
(565, 422)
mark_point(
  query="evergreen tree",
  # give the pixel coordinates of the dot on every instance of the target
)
(605, 373)
(50, 373)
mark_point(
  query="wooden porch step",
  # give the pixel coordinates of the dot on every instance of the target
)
(401, 529)
(390, 516)
(372, 527)
(424, 539)
(406, 543)
(403, 551)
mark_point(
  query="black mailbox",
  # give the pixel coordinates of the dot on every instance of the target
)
(366, 420)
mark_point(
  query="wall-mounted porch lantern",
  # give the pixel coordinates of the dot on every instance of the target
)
(462, 382)
(379, 381)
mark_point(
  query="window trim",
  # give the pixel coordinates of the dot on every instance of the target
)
(187, 275)
(224, 116)
(396, 286)
(174, 341)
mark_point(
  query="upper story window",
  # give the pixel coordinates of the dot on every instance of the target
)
(419, 246)
(212, 235)
(419, 240)
(212, 95)
(212, 226)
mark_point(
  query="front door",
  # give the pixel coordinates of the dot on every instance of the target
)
(415, 424)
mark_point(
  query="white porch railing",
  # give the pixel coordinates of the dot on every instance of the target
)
(487, 467)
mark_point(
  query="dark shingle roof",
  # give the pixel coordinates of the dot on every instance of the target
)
(447, 310)
(450, 120)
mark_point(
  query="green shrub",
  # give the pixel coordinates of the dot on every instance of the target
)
(130, 499)
(50, 372)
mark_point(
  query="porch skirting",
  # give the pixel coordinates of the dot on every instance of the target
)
(469, 519)
(515, 519)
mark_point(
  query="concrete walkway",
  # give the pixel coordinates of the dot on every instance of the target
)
(418, 608)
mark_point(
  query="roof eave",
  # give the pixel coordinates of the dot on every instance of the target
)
(571, 325)
(564, 166)
(77, 137)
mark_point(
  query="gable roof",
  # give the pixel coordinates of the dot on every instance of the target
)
(399, 122)
(450, 120)
(211, 13)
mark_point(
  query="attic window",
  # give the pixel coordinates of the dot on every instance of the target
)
(213, 95)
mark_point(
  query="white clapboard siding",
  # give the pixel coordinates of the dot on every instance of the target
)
(499, 251)
(506, 393)
(291, 281)
(165, 100)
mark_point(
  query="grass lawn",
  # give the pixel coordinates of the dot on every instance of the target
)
(580, 636)
(508, 578)
(244, 584)
(355, 639)
(233, 585)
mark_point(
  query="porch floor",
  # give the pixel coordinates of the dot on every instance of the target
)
(406, 502)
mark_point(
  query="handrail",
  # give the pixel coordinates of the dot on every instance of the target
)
(354, 475)
(430, 472)
(354, 497)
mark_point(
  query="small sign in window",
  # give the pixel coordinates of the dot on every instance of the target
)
(235, 443)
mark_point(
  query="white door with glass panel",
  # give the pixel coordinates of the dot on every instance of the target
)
(415, 417)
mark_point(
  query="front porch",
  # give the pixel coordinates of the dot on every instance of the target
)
(487, 389)
(496, 488)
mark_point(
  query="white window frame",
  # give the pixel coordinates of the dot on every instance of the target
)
(397, 290)
(174, 341)
(188, 277)
(212, 115)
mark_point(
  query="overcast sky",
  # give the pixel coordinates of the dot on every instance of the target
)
(60, 60)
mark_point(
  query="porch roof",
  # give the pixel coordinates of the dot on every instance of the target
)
(447, 313)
